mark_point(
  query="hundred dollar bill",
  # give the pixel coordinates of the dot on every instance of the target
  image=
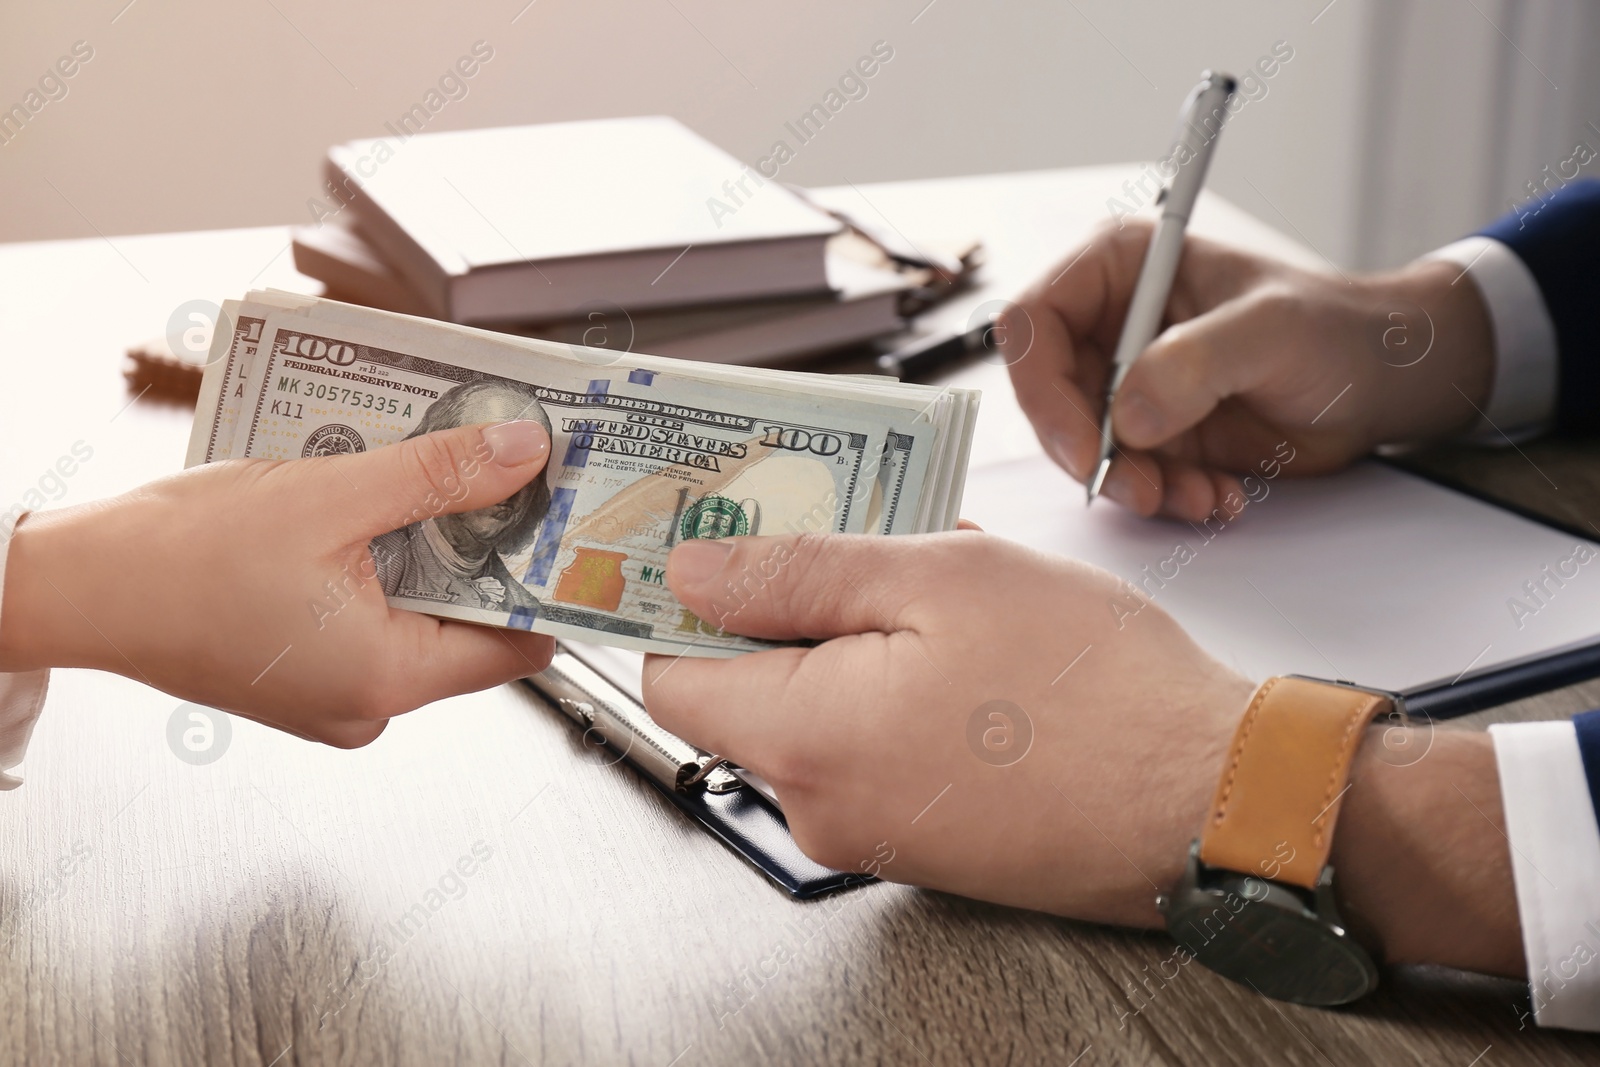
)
(905, 498)
(217, 410)
(641, 460)
(228, 364)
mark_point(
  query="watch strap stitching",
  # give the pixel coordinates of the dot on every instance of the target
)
(1360, 715)
(1220, 809)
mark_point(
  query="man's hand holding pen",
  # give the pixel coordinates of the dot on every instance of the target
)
(1254, 352)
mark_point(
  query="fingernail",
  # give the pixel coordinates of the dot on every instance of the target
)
(1138, 419)
(697, 562)
(1059, 445)
(515, 443)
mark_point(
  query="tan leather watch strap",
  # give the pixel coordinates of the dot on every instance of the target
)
(1278, 800)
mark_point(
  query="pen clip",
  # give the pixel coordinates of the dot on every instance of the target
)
(1201, 119)
(603, 709)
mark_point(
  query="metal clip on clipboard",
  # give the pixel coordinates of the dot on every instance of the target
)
(733, 804)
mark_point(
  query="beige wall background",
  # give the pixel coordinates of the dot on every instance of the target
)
(1395, 125)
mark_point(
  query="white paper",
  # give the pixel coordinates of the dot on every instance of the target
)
(1372, 575)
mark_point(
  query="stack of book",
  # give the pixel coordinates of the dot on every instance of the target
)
(634, 234)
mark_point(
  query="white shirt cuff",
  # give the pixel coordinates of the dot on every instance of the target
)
(1522, 400)
(1555, 862)
(21, 695)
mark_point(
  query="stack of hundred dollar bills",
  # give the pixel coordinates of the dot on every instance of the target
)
(647, 452)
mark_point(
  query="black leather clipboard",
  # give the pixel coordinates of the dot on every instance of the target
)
(1477, 692)
(1505, 684)
(695, 782)
(745, 822)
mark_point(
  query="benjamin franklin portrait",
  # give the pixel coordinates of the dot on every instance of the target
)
(459, 559)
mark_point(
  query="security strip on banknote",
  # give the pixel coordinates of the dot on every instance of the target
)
(646, 452)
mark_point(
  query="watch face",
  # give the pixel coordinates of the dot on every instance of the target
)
(1268, 940)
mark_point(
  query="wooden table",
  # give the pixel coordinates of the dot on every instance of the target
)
(291, 904)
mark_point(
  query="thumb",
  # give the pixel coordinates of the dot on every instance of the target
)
(1192, 367)
(814, 586)
(440, 473)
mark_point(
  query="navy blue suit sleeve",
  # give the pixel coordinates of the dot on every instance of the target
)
(1588, 727)
(1558, 238)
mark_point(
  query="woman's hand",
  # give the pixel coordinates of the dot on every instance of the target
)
(248, 585)
(1254, 352)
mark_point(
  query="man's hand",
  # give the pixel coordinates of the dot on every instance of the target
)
(248, 585)
(1254, 352)
(975, 720)
(973, 710)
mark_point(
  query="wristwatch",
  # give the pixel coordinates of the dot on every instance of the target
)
(1256, 902)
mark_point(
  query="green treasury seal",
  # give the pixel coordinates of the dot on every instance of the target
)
(713, 517)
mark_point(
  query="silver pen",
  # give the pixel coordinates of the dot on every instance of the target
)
(1199, 125)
